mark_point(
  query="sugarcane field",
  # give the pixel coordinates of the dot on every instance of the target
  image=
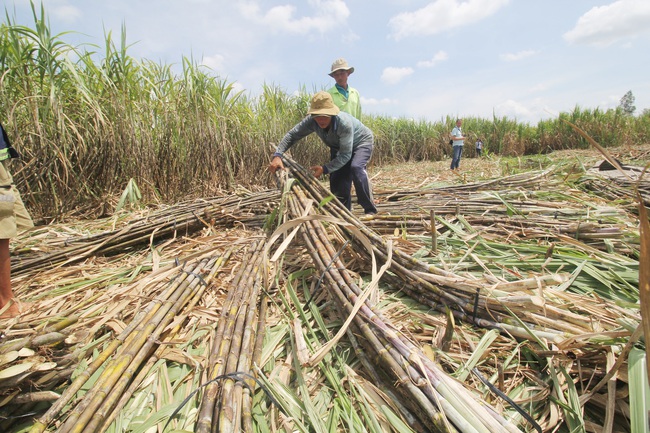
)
(187, 272)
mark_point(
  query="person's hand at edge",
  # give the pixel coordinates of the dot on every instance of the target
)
(276, 163)
(317, 170)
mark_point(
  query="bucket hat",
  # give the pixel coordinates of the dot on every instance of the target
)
(341, 64)
(322, 104)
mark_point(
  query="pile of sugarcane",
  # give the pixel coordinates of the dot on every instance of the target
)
(226, 403)
(124, 361)
(464, 295)
(618, 189)
(182, 219)
(431, 399)
(435, 312)
(554, 319)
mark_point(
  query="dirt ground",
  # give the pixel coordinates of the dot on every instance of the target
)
(430, 173)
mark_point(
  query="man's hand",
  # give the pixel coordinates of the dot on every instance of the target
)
(317, 170)
(276, 163)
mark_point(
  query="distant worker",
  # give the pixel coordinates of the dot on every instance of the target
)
(350, 143)
(479, 147)
(345, 97)
(458, 140)
(13, 217)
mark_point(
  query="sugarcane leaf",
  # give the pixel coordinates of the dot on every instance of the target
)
(130, 195)
(478, 353)
(154, 419)
(395, 421)
(325, 200)
(639, 390)
(644, 275)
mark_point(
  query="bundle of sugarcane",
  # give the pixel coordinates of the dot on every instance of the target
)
(438, 402)
(119, 365)
(603, 235)
(498, 202)
(523, 309)
(23, 361)
(484, 302)
(181, 219)
(226, 403)
(619, 189)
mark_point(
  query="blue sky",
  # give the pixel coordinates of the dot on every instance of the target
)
(523, 59)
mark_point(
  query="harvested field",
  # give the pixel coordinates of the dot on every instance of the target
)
(504, 297)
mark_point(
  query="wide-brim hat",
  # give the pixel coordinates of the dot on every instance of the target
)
(341, 64)
(322, 104)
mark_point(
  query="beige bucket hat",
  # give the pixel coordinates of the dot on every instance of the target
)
(340, 64)
(322, 104)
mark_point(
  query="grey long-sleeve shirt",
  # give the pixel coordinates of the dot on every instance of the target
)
(344, 135)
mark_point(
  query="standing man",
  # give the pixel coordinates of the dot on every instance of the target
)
(350, 143)
(13, 216)
(345, 97)
(479, 147)
(459, 140)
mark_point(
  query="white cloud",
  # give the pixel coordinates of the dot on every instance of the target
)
(605, 25)
(238, 87)
(440, 56)
(327, 14)
(67, 13)
(442, 15)
(60, 10)
(216, 62)
(392, 75)
(375, 102)
(540, 87)
(513, 57)
(511, 108)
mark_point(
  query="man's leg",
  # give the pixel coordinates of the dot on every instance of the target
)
(6, 293)
(458, 151)
(341, 185)
(455, 158)
(362, 185)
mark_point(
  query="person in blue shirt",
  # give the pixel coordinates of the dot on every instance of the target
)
(459, 140)
(479, 147)
(350, 142)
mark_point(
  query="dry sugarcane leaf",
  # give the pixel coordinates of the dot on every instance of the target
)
(33, 397)
(301, 345)
(285, 227)
(325, 218)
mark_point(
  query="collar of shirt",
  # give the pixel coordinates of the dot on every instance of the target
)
(342, 91)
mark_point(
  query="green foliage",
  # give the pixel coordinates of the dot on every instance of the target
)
(131, 195)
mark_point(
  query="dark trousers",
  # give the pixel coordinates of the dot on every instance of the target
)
(455, 159)
(355, 172)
